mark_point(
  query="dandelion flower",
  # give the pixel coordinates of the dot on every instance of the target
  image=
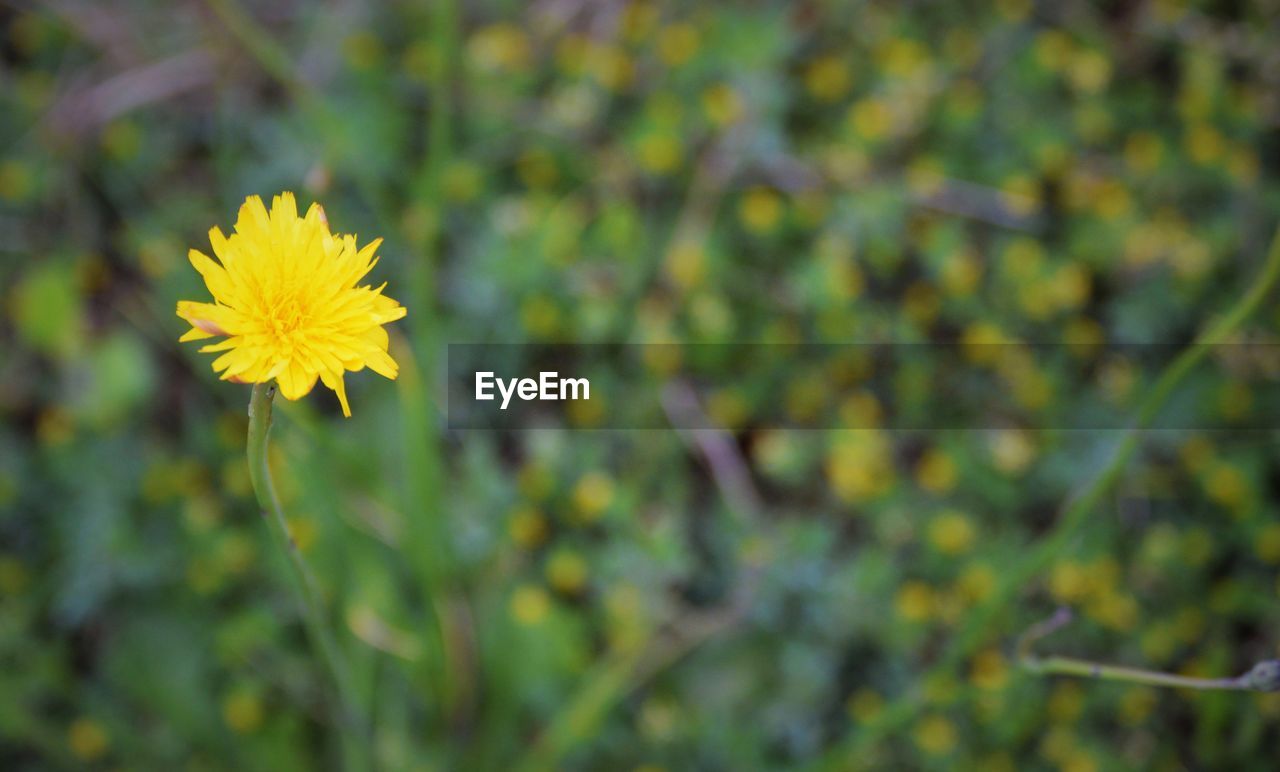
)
(287, 299)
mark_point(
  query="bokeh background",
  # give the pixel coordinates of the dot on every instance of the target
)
(585, 171)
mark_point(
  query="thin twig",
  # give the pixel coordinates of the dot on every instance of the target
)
(1254, 680)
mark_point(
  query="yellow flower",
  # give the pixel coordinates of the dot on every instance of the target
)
(88, 739)
(530, 604)
(286, 298)
(915, 601)
(935, 735)
(864, 705)
(951, 532)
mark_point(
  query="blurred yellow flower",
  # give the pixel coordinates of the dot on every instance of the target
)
(1267, 543)
(760, 210)
(1089, 71)
(639, 20)
(976, 582)
(860, 410)
(592, 496)
(989, 670)
(1143, 151)
(567, 572)
(685, 263)
(827, 78)
(859, 464)
(1066, 703)
(1136, 704)
(935, 735)
(527, 527)
(499, 48)
(936, 472)
(530, 604)
(88, 740)
(722, 104)
(951, 532)
(677, 43)
(915, 601)
(1011, 450)
(864, 705)
(1227, 485)
(1204, 144)
(286, 298)
(243, 711)
(871, 118)
(659, 152)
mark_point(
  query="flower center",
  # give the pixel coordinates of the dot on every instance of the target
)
(285, 317)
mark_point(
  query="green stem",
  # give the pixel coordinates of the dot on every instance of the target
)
(355, 744)
(1098, 671)
(978, 626)
(1262, 677)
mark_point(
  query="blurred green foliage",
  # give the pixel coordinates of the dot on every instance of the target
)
(631, 171)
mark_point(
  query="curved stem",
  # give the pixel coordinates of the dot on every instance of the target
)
(355, 750)
(1084, 668)
(977, 628)
(1088, 669)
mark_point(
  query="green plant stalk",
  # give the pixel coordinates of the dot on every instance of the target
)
(1262, 677)
(1086, 669)
(354, 735)
(978, 626)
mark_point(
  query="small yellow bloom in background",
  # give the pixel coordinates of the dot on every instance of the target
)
(527, 527)
(951, 532)
(760, 210)
(936, 472)
(677, 43)
(592, 496)
(989, 670)
(686, 263)
(499, 48)
(88, 740)
(530, 604)
(722, 104)
(1012, 450)
(827, 78)
(864, 705)
(1267, 544)
(1226, 485)
(567, 572)
(935, 735)
(243, 711)
(1066, 703)
(1137, 704)
(915, 601)
(871, 118)
(286, 299)
(976, 582)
